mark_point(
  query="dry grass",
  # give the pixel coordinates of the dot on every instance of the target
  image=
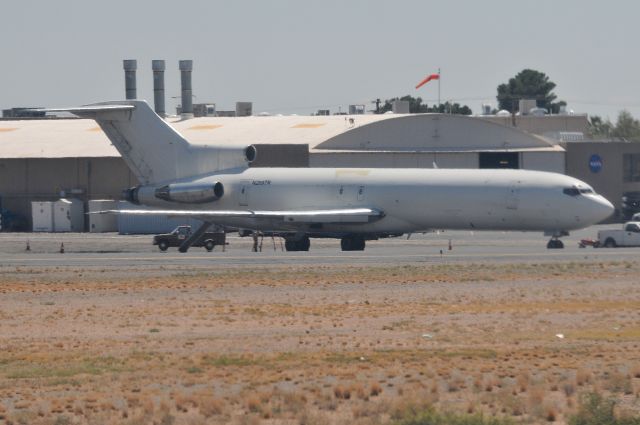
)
(338, 345)
(375, 389)
(583, 377)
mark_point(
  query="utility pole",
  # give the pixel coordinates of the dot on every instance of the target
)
(377, 102)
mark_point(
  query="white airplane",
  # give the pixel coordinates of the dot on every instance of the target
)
(215, 184)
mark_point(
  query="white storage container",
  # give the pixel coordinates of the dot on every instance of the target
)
(42, 216)
(68, 215)
(100, 223)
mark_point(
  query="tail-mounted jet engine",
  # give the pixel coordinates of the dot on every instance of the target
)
(250, 154)
(131, 195)
(208, 158)
(190, 193)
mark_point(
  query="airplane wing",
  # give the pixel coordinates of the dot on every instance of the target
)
(328, 216)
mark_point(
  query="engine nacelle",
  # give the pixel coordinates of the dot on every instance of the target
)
(131, 195)
(250, 154)
(208, 159)
(190, 193)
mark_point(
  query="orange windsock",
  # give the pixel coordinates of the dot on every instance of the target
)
(427, 79)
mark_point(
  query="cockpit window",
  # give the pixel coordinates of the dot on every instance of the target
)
(571, 191)
(586, 191)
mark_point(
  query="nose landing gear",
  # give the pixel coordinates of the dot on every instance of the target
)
(555, 242)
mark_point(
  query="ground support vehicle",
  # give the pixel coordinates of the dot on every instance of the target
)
(180, 234)
(629, 235)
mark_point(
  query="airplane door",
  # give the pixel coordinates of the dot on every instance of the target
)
(513, 195)
(350, 194)
(344, 194)
(243, 198)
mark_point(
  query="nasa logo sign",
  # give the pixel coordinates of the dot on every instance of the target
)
(595, 163)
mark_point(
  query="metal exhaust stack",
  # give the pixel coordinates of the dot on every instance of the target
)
(130, 66)
(158, 67)
(186, 66)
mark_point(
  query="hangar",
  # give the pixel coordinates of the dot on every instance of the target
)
(44, 159)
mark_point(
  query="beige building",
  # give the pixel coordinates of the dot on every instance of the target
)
(611, 167)
(543, 124)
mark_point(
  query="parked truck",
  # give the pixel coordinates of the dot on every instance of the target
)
(629, 235)
(208, 240)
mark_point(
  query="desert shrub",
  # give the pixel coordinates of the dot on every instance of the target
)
(432, 417)
(254, 405)
(597, 410)
(62, 420)
(210, 406)
(342, 392)
(619, 382)
(583, 377)
(375, 390)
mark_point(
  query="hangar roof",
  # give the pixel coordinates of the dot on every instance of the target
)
(389, 132)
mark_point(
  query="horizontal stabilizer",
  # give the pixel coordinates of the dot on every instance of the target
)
(89, 110)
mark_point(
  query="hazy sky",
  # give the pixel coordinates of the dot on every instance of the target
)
(296, 56)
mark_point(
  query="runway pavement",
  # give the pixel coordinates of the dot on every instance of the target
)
(119, 251)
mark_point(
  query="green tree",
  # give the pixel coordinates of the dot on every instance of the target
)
(599, 127)
(454, 108)
(528, 84)
(627, 127)
(417, 107)
(415, 104)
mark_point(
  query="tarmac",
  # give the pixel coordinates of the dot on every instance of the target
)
(122, 251)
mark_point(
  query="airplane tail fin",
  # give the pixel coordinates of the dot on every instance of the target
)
(152, 149)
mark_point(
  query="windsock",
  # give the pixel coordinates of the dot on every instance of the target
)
(427, 79)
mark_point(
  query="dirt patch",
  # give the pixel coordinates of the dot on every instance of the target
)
(324, 345)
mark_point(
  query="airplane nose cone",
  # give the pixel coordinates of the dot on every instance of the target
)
(602, 209)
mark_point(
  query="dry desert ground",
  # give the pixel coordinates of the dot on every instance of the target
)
(316, 344)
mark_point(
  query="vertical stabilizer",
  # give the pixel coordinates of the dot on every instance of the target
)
(152, 149)
(148, 144)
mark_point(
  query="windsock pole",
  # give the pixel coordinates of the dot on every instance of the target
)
(439, 88)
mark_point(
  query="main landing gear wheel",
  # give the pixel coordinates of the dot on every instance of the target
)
(297, 245)
(555, 244)
(352, 243)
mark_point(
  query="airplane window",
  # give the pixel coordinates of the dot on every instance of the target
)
(571, 191)
(586, 191)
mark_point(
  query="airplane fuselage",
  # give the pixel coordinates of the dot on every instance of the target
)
(216, 184)
(412, 200)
